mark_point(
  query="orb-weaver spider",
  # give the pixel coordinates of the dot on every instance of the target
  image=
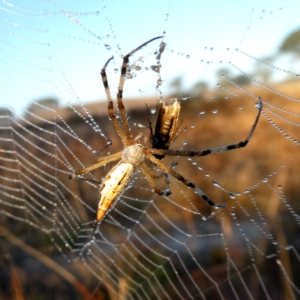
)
(135, 154)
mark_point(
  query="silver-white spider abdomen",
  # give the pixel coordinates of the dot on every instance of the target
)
(118, 178)
(113, 185)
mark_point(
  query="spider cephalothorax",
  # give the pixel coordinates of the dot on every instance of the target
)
(135, 154)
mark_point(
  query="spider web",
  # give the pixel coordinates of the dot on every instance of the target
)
(148, 246)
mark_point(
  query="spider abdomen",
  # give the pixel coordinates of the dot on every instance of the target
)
(113, 184)
(118, 178)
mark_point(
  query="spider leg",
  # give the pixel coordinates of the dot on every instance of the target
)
(121, 107)
(187, 182)
(205, 152)
(149, 176)
(167, 181)
(99, 163)
(166, 175)
(98, 154)
(110, 106)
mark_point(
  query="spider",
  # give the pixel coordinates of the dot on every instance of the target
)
(135, 153)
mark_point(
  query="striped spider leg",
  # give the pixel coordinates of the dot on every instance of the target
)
(154, 155)
(135, 154)
(192, 153)
(131, 157)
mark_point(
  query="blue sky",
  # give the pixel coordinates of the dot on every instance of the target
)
(58, 48)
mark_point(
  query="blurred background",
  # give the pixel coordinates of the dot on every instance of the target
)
(216, 59)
